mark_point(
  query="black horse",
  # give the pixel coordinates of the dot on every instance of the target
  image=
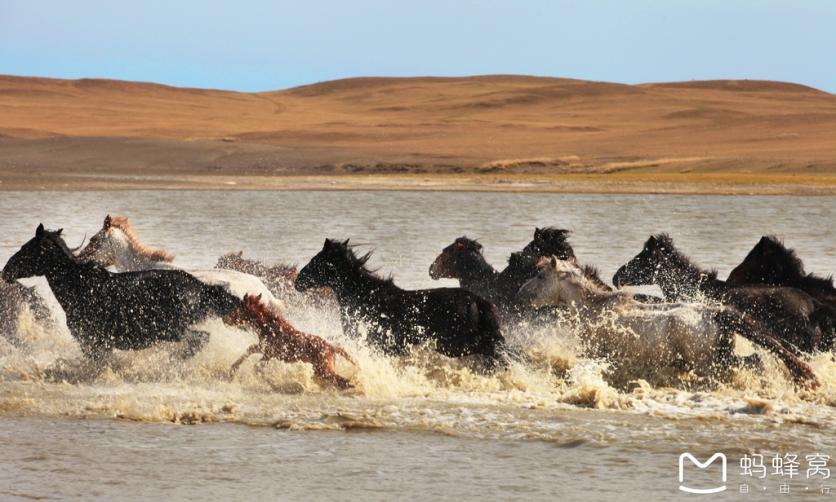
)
(773, 264)
(792, 315)
(458, 321)
(550, 241)
(126, 311)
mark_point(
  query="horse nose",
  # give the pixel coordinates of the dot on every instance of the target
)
(617, 278)
(435, 269)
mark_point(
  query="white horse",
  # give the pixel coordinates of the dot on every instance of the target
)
(653, 342)
(117, 245)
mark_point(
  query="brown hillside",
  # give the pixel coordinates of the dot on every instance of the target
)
(482, 124)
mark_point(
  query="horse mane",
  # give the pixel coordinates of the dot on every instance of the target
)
(469, 244)
(592, 274)
(56, 238)
(794, 264)
(665, 243)
(551, 233)
(587, 282)
(156, 254)
(264, 314)
(550, 241)
(358, 263)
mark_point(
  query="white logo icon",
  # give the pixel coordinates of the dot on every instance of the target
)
(701, 465)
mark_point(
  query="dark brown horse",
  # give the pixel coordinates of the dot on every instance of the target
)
(793, 316)
(278, 339)
(773, 264)
(463, 260)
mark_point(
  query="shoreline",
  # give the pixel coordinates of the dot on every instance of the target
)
(611, 183)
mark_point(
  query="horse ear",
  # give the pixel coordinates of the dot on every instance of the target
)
(345, 242)
(108, 222)
(538, 232)
(573, 260)
(259, 296)
(40, 230)
(553, 262)
(58, 232)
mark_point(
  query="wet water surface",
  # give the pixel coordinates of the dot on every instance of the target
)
(429, 427)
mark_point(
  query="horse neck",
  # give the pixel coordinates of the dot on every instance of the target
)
(477, 271)
(361, 286)
(590, 296)
(131, 259)
(65, 278)
(680, 279)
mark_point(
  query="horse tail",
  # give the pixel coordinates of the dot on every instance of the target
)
(824, 318)
(801, 372)
(342, 352)
(220, 300)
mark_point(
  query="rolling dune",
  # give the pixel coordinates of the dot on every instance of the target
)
(487, 132)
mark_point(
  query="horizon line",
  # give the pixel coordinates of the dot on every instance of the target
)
(406, 77)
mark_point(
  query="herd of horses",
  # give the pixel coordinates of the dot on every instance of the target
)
(118, 293)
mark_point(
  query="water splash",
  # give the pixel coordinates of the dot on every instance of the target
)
(42, 374)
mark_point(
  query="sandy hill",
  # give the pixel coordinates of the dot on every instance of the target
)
(491, 124)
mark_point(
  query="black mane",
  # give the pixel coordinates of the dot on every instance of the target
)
(794, 263)
(469, 244)
(392, 319)
(359, 263)
(664, 243)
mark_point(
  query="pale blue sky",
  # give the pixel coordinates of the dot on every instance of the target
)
(262, 45)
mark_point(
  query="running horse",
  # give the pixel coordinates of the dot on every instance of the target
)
(278, 339)
(649, 341)
(126, 311)
(135, 310)
(793, 316)
(773, 264)
(117, 245)
(459, 322)
(464, 260)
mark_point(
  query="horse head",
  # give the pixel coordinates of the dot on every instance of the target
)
(328, 267)
(455, 260)
(36, 257)
(250, 305)
(550, 241)
(768, 262)
(117, 244)
(553, 283)
(106, 245)
(644, 267)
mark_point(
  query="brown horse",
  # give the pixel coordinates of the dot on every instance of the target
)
(277, 339)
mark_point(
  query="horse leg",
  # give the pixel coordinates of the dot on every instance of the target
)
(752, 361)
(194, 343)
(234, 368)
(801, 372)
(324, 369)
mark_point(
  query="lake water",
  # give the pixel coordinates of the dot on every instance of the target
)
(425, 428)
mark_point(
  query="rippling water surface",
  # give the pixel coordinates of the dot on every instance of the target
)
(548, 429)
